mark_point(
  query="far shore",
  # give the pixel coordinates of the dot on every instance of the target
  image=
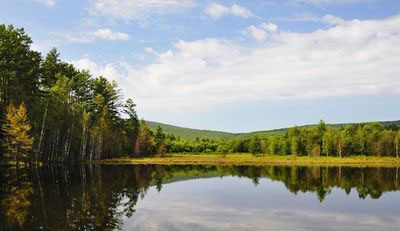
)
(248, 159)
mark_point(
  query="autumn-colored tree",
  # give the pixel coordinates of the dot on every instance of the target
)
(144, 146)
(16, 204)
(162, 150)
(16, 127)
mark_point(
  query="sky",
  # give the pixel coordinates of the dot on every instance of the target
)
(232, 65)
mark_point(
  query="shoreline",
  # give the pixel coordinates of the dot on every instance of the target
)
(248, 159)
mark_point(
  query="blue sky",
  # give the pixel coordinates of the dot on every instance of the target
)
(231, 65)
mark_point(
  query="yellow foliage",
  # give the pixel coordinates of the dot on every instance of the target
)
(16, 127)
(17, 203)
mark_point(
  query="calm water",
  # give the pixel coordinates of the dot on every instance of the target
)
(99, 197)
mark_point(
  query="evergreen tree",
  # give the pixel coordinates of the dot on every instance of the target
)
(131, 125)
(159, 137)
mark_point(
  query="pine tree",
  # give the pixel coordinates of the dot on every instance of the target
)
(159, 137)
(17, 141)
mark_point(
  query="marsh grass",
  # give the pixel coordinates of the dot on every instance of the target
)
(248, 159)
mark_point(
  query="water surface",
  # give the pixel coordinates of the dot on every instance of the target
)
(101, 197)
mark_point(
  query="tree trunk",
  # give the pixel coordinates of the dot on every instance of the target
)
(70, 140)
(339, 149)
(39, 151)
(91, 149)
(84, 142)
(64, 156)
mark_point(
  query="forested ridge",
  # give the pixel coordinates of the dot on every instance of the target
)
(369, 139)
(51, 111)
(192, 133)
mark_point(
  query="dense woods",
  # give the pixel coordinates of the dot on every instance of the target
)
(322, 140)
(50, 111)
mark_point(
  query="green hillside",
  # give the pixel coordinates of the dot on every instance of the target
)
(193, 133)
(189, 132)
(283, 130)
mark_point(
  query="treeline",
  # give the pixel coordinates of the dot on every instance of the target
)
(51, 111)
(352, 140)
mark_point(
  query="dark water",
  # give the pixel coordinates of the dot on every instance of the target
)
(99, 197)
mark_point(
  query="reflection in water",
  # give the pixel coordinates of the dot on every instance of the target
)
(100, 197)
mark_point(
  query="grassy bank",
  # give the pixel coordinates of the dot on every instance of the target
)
(248, 159)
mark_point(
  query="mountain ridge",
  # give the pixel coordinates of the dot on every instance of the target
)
(192, 133)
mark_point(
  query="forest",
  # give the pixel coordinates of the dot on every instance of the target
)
(52, 112)
(372, 139)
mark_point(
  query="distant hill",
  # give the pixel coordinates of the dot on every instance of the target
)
(283, 130)
(189, 132)
(193, 133)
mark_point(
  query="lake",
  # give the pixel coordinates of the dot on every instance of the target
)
(156, 197)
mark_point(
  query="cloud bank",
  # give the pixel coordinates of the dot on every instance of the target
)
(349, 58)
(331, 2)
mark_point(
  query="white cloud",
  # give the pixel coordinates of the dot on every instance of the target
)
(257, 33)
(353, 58)
(241, 11)
(104, 34)
(269, 27)
(262, 31)
(330, 19)
(48, 3)
(108, 34)
(108, 70)
(215, 11)
(136, 9)
(327, 19)
(327, 2)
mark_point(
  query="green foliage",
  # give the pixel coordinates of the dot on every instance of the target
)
(73, 115)
(358, 139)
(188, 132)
(255, 145)
(222, 149)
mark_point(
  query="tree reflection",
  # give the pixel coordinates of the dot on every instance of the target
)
(15, 201)
(95, 197)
